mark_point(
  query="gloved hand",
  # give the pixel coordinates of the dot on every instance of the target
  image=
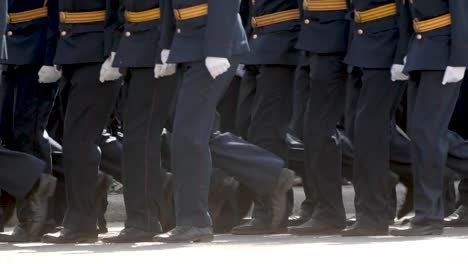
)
(217, 66)
(397, 73)
(240, 72)
(165, 69)
(453, 75)
(109, 73)
(49, 74)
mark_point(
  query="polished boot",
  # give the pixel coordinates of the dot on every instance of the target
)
(459, 218)
(418, 230)
(186, 234)
(67, 236)
(38, 200)
(258, 226)
(314, 227)
(19, 235)
(131, 235)
(362, 230)
(298, 219)
(279, 197)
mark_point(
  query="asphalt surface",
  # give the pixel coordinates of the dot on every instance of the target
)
(446, 249)
(228, 249)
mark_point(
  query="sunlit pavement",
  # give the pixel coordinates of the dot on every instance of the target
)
(287, 249)
(449, 248)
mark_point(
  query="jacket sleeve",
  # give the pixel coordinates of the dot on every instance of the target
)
(221, 21)
(52, 32)
(113, 27)
(405, 27)
(459, 46)
(167, 24)
(3, 21)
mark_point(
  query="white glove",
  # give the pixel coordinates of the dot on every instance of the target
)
(49, 74)
(240, 72)
(397, 73)
(217, 66)
(165, 69)
(453, 75)
(109, 73)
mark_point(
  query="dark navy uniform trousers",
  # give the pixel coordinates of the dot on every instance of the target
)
(89, 106)
(18, 172)
(147, 102)
(430, 107)
(195, 148)
(327, 79)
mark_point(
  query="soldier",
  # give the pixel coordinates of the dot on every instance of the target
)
(271, 22)
(436, 62)
(29, 84)
(324, 35)
(372, 52)
(20, 174)
(206, 38)
(88, 37)
(146, 103)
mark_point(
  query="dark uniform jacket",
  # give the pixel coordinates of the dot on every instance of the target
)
(323, 31)
(89, 42)
(32, 42)
(218, 34)
(373, 44)
(273, 44)
(439, 48)
(139, 45)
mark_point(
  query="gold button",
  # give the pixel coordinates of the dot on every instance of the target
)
(128, 34)
(360, 31)
(307, 21)
(255, 36)
(10, 33)
(178, 31)
(63, 33)
(419, 36)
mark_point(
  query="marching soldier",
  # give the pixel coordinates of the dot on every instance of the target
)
(324, 35)
(147, 102)
(21, 174)
(29, 84)
(88, 37)
(372, 52)
(271, 22)
(436, 63)
(206, 38)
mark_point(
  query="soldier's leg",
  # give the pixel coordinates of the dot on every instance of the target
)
(32, 109)
(431, 105)
(89, 106)
(19, 172)
(372, 176)
(247, 91)
(198, 97)
(272, 108)
(251, 165)
(146, 111)
(322, 153)
(9, 83)
(300, 98)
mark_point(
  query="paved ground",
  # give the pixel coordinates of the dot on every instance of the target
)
(228, 249)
